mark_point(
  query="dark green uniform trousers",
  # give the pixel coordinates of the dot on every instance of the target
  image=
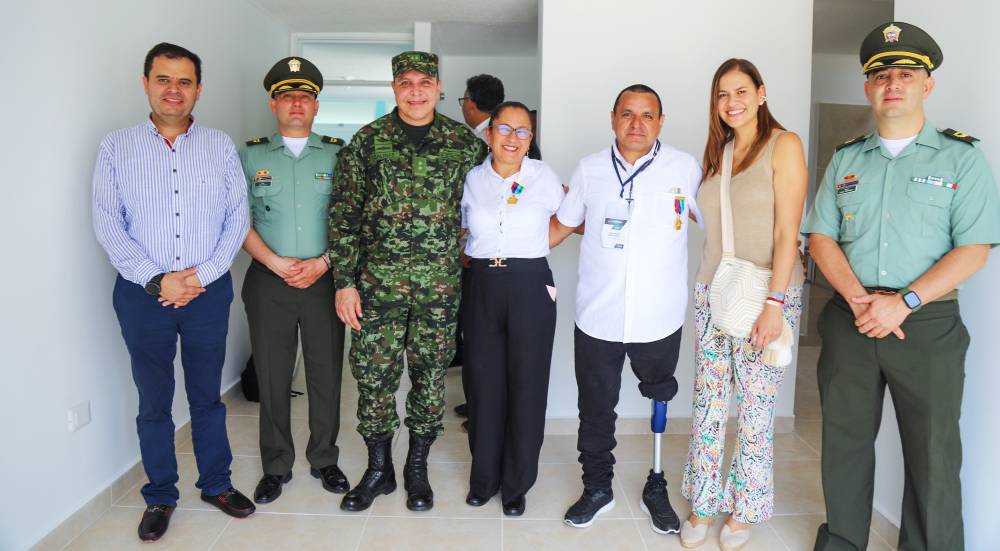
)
(277, 313)
(925, 375)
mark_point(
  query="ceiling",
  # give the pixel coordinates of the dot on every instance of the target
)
(394, 15)
(839, 26)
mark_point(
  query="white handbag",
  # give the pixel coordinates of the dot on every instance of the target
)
(740, 287)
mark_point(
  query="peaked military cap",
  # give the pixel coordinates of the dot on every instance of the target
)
(899, 44)
(293, 73)
(425, 62)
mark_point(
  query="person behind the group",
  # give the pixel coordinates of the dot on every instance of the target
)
(287, 290)
(509, 309)
(767, 191)
(482, 95)
(902, 217)
(635, 197)
(170, 209)
(394, 225)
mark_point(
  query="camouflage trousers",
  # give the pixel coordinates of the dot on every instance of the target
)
(423, 331)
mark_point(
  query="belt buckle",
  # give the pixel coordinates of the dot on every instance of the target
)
(497, 263)
(885, 292)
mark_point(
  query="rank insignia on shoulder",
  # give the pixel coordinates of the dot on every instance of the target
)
(334, 141)
(260, 140)
(960, 136)
(852, 141)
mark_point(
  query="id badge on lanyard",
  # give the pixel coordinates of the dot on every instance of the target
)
(614, 230)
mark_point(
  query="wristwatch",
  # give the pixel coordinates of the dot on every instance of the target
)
(911, 299)
(153, 287)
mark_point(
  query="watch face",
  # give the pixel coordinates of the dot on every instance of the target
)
(911, 300)
(153, 288)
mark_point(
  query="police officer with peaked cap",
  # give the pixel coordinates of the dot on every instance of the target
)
(288, 288)
(902, 217)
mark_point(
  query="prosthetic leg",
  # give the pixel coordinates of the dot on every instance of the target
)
(655, 501)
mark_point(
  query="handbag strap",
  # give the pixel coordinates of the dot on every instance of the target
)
(726, 206)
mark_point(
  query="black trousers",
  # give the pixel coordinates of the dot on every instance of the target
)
(276, 314)
(599, 366)
(510, 321)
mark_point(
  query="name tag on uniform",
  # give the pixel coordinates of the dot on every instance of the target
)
(935, 181)
(614, 231)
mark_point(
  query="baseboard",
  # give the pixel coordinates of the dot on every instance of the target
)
(640, 425)
(885, 528)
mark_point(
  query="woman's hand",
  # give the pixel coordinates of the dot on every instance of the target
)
(767, 327)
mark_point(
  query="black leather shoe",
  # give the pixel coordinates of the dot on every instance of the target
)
(379, 478)
(155, 520)
(231, 502)
(269, 487)
(419, 495)
(334, 480)
(514, 507)
(462, 410)
(476, 501)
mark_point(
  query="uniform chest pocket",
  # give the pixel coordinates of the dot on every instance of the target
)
(849, 204)
(931, 205)
(324, 186)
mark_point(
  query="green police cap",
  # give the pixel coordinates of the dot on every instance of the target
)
(899, 45)
(293, 73)
(425, 62)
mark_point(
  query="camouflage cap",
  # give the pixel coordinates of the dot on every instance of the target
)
(293, 73)
(899, 45)
(425, 62)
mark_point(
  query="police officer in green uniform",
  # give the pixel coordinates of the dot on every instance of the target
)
(901, 219)
(393, 245)
(288, 289)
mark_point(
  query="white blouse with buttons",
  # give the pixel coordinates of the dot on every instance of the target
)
(501, 227)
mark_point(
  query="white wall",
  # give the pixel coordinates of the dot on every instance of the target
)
(965, 99)
(591, 50)
(78, 67)
(518, 73)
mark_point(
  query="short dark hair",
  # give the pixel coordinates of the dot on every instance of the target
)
(486, 91)
(639, 89)
(172, 51)
(509, 105)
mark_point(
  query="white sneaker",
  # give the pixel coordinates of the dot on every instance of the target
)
(730, 540)
(693, 535)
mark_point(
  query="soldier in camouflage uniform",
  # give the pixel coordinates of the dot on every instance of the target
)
(394, 226)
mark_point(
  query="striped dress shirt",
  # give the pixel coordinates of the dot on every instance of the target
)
(162, 208)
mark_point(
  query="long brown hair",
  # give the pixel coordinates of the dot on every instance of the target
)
(720, 133)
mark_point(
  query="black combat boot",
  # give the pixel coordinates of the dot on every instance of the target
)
(419, 496)
(379, 478)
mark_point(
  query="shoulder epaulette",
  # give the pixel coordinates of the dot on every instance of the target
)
(334, 141)
(960, 136)
(852, 141)
(257, 141)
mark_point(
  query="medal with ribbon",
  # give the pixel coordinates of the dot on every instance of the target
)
(679, 209)
(515, 189)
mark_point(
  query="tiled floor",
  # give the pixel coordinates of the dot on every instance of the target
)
(307, 517)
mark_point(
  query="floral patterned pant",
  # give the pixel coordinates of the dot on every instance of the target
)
(725, 364)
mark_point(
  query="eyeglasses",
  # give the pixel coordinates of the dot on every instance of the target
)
(461, 100)
(522, 134)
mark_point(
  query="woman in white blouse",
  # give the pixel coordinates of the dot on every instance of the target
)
(509, 315)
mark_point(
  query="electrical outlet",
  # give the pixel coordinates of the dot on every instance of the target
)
(78, 416)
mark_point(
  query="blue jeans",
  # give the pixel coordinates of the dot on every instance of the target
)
(150, 332)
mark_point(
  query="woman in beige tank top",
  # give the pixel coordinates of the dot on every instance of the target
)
(767, 191)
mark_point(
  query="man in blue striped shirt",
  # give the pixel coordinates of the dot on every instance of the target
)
(170, 209)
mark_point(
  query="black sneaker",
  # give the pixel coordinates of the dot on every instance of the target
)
(656, 504)
(592, 503)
